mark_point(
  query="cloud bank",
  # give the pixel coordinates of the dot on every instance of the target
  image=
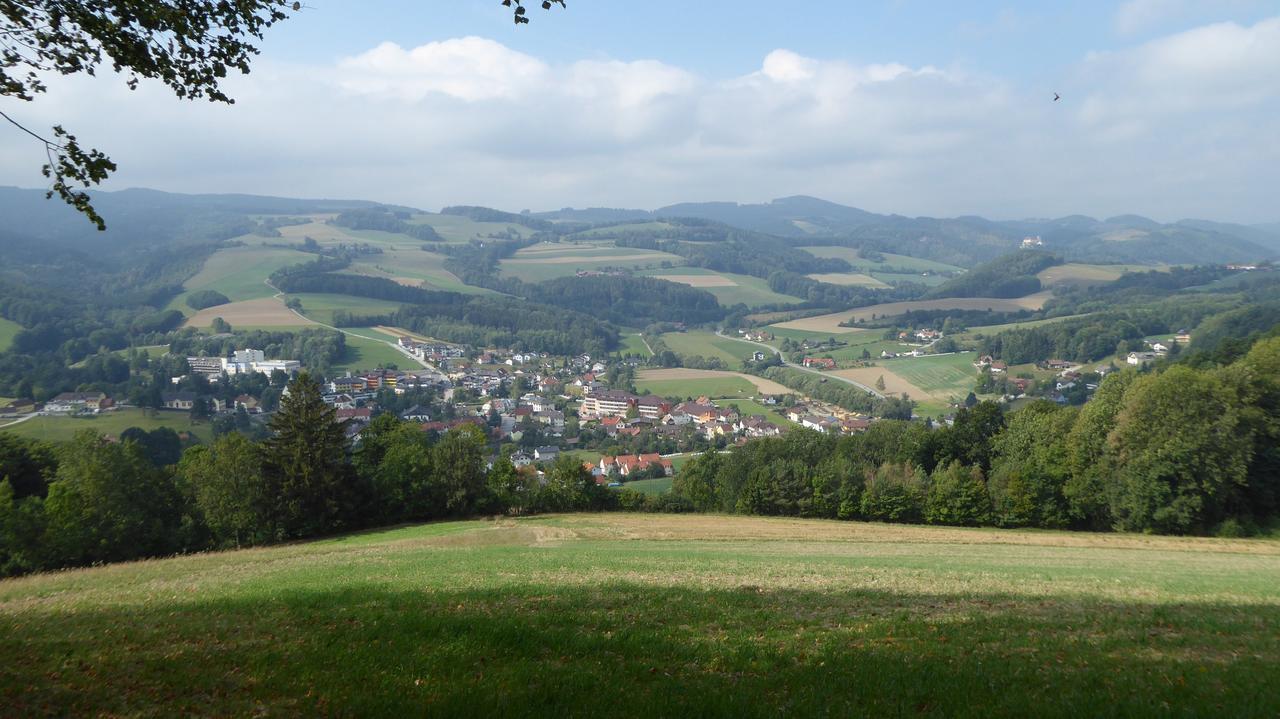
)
(1182, 125)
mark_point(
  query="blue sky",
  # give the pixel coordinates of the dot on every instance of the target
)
(920, 108)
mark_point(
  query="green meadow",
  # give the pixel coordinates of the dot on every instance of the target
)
(938, 374)
(61, 429)
(8, 330)
(891, 261)
(364, 353)
(240, 273)
(321, 306)
(709, 344)
(658, 615)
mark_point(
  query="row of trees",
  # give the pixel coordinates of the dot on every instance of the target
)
(1181, 451)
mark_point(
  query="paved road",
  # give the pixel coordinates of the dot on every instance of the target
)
(802, 368)
(20, 420)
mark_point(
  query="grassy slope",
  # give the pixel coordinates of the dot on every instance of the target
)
(8, 330)
(366, 354)
(682, 616)
(58, 429)
(240, 273)
(850, 255)
(321, 306)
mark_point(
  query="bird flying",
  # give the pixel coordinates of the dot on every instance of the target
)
(1056, 97)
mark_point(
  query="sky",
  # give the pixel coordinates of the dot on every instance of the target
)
(1168, 108)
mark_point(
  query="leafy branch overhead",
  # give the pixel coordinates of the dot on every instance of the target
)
(189, 45)
(521, 15)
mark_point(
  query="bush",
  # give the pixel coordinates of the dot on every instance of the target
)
(206, 298)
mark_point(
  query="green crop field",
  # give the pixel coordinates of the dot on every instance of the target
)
(658, 615)
(951, 374)
(709, 344)
(8, 330)
(61, 429)
(729, 289)
(891, 261)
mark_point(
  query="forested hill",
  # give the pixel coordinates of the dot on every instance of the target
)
(139, 217)
(1012, 275)
(971, 240)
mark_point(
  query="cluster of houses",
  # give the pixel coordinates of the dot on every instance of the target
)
(817, 418)
(78, 403)
(1156, 350)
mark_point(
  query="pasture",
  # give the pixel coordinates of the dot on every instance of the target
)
(633, 344)
(8, 330)
(830, 323)
(650, 486)
(681, 615)
(729, 289)
(456, 228)
(1076, 274)
(427, 268)
(61, 429)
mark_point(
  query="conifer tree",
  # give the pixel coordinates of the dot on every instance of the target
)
(304, 461)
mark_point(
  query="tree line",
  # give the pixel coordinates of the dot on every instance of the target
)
(1182, 451)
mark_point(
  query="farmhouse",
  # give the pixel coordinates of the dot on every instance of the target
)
(178, 400)
(819, 363)
(1140, 359)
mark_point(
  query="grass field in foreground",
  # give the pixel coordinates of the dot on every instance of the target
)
(61, 429)
(658, 615)
(8, 330)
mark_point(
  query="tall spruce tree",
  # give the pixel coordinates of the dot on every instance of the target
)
(304, 463)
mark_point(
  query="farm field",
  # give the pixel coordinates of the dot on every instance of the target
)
(994, 329)
(683, 615)
(240, 273)
(264, 312)
(456, 228)
(891, 261)
(682, 382)
(8, 330)
(61, 429)
(709, 344)
(848, 278)
(729, 289)
(830, 323)
(551, 260)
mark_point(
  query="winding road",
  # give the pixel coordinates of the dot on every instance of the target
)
(802, 368)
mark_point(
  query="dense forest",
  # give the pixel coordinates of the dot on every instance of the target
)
(1012, 275)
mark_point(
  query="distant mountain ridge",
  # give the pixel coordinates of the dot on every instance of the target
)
(970, 240)
(141, 216)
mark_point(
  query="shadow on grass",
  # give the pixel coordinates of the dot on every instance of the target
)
(632, 650)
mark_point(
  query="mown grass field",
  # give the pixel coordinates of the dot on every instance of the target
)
(650, 486)
(61, 429)
(891, 261)
(8, 330)
(364, 353)
(938, 375)
(659, 615)
(729, 289)
(709, 344)
(406, 263)
(240, 273)
(711, 387)
(633, 344)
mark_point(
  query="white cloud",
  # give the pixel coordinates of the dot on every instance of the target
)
(1137, 15)
(471, 121)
